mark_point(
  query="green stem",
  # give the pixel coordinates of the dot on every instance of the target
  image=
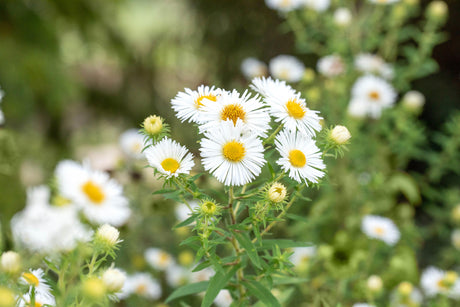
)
(273, 135)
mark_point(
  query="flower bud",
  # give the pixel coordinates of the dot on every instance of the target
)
(413, 101)
(153, 125)
(10, 262)
(374, 283)
(340, 135)
(209, 208)
(106, 237)
(405, 288)
(437, 9)
(113, 279)
(6, 297)
(342, 17)
(277, 192)
(94, 288)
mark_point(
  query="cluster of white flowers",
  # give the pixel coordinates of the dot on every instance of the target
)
(284, 67)
(435, 281)
(373, 64)
(233, 126)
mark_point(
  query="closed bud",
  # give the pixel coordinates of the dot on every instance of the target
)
(94, 289)
(340, 135)
(106, 237)
(114, 279)
(10, 262)
(209, 208)
(405, 289)
(342, 17)
(374, 283)
(153, 125)
(437, 9)
(413, 101)
(277, 192)
(6, 297)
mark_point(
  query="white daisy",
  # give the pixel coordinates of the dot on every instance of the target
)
(132, 143)
(287, 107)
(141, 284)
(40, 300)
(435, 281)
(331, 65)
(342, 17)
(299, 156)
(232, 155)
(223, 299)
(100, 197)
(286, 67)
(302, 255)
(284, 5)
(318, 5)
(383, 2)
(47, 229)
(380, 228)
(232, 107)
(371, 94)
(169, 158)
(35, 278)
(373, 64)
(158, 258)
(177, 276)
(252, 68)
(187, 105)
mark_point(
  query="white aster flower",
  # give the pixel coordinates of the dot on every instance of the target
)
(436, 281)
(158, 258)
(299, 156)
(287, 107)
(47, 229)
(286, 67)
(141, 284)
(302, 255)
(40, 300)
(342, 17)
(318, 5)
(380, 228)
(203, 275)
(223, 299)
(383, 2)
(374, 283)
(331, 65)
(233, 107)
(373, 64)
(370, 95)
(252, 68)
(169, 158)
(284, 5)
(35, 278)
(183, 212)
(231, 154)
(177, 276)
(187, 105)
(100, 197)
(132, 143)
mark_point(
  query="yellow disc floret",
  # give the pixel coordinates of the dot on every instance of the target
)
(297, 158)
(198, 101)
(31, 279)
(234, 151)
(170, 165)
(93, 191)
(374, 95)
(233, 112)
(294, 109)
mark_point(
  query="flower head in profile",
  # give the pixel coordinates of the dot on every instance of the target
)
(231, 154)
(252, 68)
(436, 281)
(232, 106)
(331, 65)
(169, 158)
(286, 67)
(380, 228)
(36, 279)
(187, 105)
(132, 143)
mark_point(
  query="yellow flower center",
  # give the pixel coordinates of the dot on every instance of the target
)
(170, 165)
(164, 258)
(31, 279)
(295, 109)
(93, 191)
(37, 304)
(136, 147)
(297, 158)
(141, 289)
(379, 230)
(374, 95)
(199, 104)
(285, 3)
(233, 112)
(234, 151)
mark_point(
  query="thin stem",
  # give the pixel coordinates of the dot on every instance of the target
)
(272, 136)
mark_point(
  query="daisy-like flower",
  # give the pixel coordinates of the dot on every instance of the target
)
(342, 17)
(223, 299)
(286, 67)
(331, 65)
(406, 295)
(169, 158)
(40, 300)
(233, 107)
(287, 107)
(436, 281)
(284, 5)
(370, 95)
(318, 5)
(383, 2)
(380, 228)
(141, 284)
(132, 143)
(158, 258)
(187, 105)
(177, 276)
(252, 68)
(302, 255)
(100, 197)
(373, 64)
(299, 156)
(232, 155)
(35, 278)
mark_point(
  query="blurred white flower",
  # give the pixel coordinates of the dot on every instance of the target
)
(380, 228)
(177, 276)
(141, 284)
(318, 5)
(406, 295)
(132, 143)
(183, 212)
(10, 262)
(413, 100)
(302, 255)
(342, 17)
(284, 5)
(374, 283)
(252, 68)
(114, 279)
(331, 65)
(40, 300)
(203, 275)
(286, 67)
(436, 281)
(373, 64)
(158, 258)
(223, 299)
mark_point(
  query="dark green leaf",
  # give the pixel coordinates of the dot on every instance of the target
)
(187, 290)
(217, 283)
(262, 293)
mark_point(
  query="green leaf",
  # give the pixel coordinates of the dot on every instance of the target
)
(262, 293)
(186, 222)
(187, 290)
(283, 243)
(250, 248)
(217, 283)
